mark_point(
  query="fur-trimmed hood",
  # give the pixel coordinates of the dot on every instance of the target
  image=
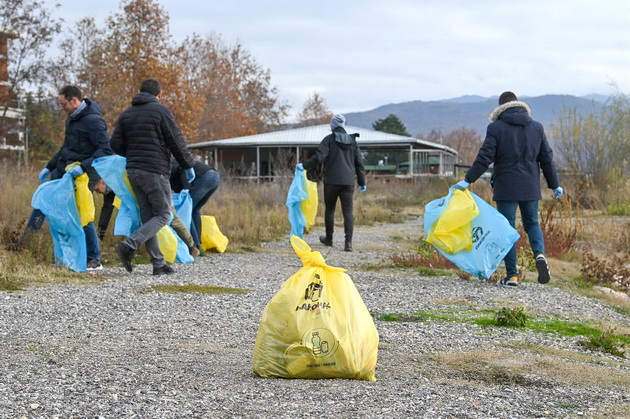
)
(494, 115)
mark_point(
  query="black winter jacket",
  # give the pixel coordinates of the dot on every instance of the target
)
(178, 177)
(518, 147)
(342, 159)
(86, 139)
(146, 134)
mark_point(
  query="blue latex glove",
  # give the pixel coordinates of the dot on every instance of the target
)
(462, 185)
(300, 166)
(557, 193)
(190, 175)
(43, 175)
(362, 188)
(76, 171)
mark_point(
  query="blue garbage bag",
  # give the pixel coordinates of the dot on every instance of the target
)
(492, 237)
(297, 193)
(183, 206)
(113, 171)
(56, 199)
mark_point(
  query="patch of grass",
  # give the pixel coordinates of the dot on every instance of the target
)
(602, 339)
(607, 341)
(511, 317)
(618, 207)
(501, 367)
(465, 314)
(198, 289)
(425, 256)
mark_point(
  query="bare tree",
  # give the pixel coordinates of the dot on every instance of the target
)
(314, 112)
(239, 97)
(33, 30)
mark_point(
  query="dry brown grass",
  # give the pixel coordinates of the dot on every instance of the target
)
(503, 367)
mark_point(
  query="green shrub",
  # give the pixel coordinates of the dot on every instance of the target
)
(511, 317)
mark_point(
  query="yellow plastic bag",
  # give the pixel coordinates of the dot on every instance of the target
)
(168, 243)
(316, 326)
(83, 195)
(309, 206)
(211, 236)
(452, 232)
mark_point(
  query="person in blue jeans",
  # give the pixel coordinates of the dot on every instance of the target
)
(205, 183)
(86, 139)
(518, 147)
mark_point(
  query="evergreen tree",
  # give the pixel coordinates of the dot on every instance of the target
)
(392, 124)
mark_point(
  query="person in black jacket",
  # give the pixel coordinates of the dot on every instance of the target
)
(341, 156)
(146, 134)
(518, 147)
(86, 139)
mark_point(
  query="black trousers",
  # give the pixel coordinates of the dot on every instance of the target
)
(345, 194)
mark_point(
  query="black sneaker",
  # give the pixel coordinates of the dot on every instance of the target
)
(163, 270)
(125, 253)
(94, 265)
(510, 282)
(348, 247)
(325, 241)
(543, 269)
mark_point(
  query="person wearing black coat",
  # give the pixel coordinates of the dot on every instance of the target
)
(147, 135)
(86, 139)
(341, 156)
(518, 147)
(205, 184)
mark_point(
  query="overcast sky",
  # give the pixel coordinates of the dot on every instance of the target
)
(363, 54)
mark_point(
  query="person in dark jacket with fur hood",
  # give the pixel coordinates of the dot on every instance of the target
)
(146, 134)
(518, 147)
(341, 156)
(86, 139)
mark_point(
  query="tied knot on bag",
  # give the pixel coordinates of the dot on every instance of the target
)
(311, 258)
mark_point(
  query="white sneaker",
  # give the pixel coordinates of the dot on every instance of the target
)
(94, 265)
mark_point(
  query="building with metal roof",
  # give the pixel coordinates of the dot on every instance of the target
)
(273, 154)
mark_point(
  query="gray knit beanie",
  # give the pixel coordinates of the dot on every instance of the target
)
(337, 121)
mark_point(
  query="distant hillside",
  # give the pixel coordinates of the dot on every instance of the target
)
(468, 111)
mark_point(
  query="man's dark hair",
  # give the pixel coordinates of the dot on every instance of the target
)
(71, 91)
(151, 86)
(507, 97)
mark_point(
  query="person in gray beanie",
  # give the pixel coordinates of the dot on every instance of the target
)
(518, 147)
(341, 156)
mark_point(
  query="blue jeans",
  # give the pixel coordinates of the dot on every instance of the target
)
(153, 194)
(201, 190)
(91, 238)
(529, 216)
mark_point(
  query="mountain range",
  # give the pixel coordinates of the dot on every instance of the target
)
(471, 111)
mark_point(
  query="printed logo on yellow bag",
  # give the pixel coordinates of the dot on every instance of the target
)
(312, 294)
(322, 344)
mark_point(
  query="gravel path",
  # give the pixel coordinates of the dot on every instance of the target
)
(115, 348)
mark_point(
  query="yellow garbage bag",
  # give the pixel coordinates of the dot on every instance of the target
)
(211, 236)
(309, 206)
(168, 243)
(452, 232)
(316, 326)
(83, 195)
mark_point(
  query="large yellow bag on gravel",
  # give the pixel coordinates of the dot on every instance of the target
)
(211, 236)
(316, 326)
